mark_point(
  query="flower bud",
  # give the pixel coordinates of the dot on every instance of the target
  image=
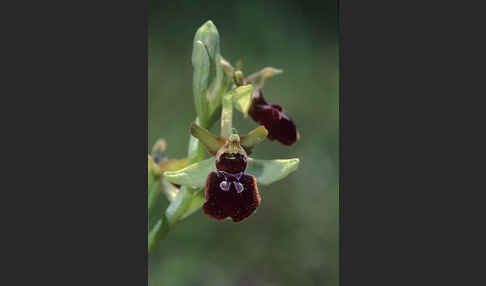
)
(209, 36)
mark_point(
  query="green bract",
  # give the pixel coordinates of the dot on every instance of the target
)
(200, 62)
(206, 60)
(242, 98)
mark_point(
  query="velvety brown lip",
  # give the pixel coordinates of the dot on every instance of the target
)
(221, 204)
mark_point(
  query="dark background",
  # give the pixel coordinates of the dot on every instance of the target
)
(409, 78)
(293, 237)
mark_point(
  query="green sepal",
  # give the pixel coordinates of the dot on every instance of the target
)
(259, 77)
(212, 142)
(265, 171)
(255, 136)
(194, 175)
(242, 97)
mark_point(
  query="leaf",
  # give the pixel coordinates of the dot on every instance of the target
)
(265, 171)
(269, 171)
(194, 175)
(242, 97)
(208, 36)
(196, 203)
(200, 80)
(178, 207)
(157, 232)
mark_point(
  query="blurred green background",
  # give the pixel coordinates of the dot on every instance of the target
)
(293, 238)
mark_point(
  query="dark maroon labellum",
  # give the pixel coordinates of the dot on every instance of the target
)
(231, 195)
(231, 162)
(279, 125)
(229, 191)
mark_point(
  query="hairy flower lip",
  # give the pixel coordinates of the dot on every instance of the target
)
(279, 125)
(229, 191)
(221, 204)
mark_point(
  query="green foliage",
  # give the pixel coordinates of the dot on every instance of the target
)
(292, 239)
(215, 93)
(200, 62)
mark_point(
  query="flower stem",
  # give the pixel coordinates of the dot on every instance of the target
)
(181, 203)
(227, 115)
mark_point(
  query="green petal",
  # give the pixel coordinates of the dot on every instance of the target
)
(242, 98)
(194, 175)
(270, 171)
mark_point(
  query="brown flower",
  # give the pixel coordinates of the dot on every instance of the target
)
(231, 195)
(229, 191)
(279, 125)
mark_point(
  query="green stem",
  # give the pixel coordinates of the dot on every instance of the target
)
(181, 203)
(179, 206)
(227, 115)
(158, 233)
